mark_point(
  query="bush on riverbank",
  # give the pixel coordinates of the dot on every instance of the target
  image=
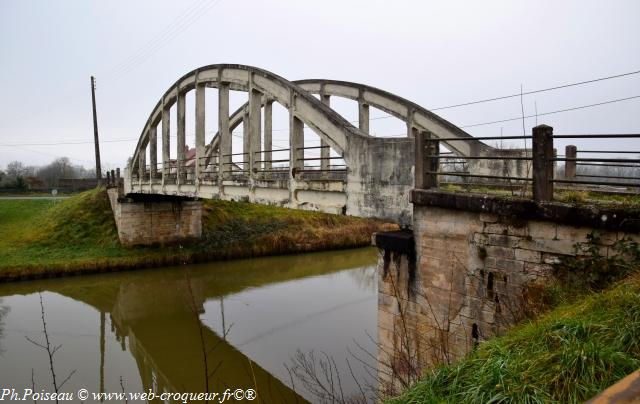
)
(78, 235)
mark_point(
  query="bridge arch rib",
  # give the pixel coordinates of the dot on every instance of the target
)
(379, 170)
(417, 118)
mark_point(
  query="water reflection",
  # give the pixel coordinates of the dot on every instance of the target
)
(150, 328)
(4, 310)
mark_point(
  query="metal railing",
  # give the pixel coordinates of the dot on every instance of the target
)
(535, 169)
(263, 166)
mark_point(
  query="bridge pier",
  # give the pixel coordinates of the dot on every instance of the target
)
(143, 219)
(463, 275)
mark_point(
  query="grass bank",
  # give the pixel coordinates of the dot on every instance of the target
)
(587, 339)
(47, 238)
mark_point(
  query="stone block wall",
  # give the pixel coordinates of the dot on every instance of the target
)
(466, 282)
(155, 222)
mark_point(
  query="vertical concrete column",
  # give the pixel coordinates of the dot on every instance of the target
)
(542, 152)
(325, 151)
(181, 126)
(142, 162)
(245, 140)
(255, 118)
(426, 160)
(224, 149)
(153, 152)
(411, 131)
(570, 166)
(200, 128)
(363, 114)
(296, 143)
(166, 163)
(268, 134)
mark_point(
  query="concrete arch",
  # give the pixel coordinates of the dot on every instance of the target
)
(417, 118)
(330, 126)
(413, 115)
(375, 183)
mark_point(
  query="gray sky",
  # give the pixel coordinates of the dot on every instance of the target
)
(432, 53)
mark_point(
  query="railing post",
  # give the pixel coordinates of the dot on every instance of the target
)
(542, 153)
(426, 166)
(108, 179)
(570, 152)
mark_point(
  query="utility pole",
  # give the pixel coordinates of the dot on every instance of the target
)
(95, 130)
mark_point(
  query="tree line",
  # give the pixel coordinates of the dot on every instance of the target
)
(20, 176)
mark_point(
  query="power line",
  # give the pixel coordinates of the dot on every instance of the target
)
(170, 34)
(522, 94)
(56, 156)
(285, 129)
(136, 54)
(536, 91)
(553, 112)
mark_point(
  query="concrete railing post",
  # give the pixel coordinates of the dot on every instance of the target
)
(542, 153)
(570, 152)
(108, 179)
(427, 150)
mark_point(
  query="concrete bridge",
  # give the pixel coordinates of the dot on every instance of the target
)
(354, 173)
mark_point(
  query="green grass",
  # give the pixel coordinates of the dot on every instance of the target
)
(574, 196)
(77, 235)
(570, 354)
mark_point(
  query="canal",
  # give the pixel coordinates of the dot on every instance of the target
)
(270, 324)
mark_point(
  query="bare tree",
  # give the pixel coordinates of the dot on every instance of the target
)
(51, 351)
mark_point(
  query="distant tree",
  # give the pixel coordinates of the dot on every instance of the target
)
(62, 168)
(15, 169)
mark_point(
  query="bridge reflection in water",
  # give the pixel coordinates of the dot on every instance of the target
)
(251, 314)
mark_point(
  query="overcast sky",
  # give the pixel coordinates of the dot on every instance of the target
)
(432, 53)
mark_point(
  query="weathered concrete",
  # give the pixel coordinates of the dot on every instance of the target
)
(158, 220)
(379, 170)
(474, 259)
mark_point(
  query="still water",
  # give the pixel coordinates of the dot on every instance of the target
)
(257, 320)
